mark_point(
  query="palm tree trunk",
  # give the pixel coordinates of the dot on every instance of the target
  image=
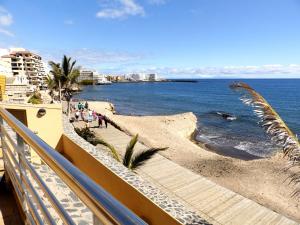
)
(59, 87)
(68, 109)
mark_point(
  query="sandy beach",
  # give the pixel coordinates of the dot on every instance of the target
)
(261, 180)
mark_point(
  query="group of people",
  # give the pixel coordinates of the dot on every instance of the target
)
(82, 112)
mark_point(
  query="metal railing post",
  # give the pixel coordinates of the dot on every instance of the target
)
(22, 170)
(6, 177)
(1, 150)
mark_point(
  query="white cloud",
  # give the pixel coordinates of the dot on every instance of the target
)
(120, 9)
(92, 58)
(6, 32)
(68, 22)
(6, 20)
(277, 70)
(157, 2)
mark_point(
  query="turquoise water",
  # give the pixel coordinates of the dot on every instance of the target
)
(205, 99)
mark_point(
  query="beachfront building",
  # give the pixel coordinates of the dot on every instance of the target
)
(92, 76)
(137, 76)
(97, 76)
(5, 71)
(152, 77)
(143, 77)
(13, 87)
(27, 64)
(5, 67)
(85, 75)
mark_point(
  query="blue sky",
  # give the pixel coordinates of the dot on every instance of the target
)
(177, 38)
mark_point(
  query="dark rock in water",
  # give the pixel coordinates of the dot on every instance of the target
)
(227, 116)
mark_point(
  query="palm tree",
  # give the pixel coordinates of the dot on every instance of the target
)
(65, 76)
(55, 81)
(51, 86)
(275, 128)
(68, 78)
(69, 74)
(131, 160)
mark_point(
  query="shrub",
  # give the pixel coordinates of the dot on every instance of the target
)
(87, 135)
(36, 98)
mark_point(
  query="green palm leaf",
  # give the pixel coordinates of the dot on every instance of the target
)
(110, 147)
(129, 151)
(140, 158)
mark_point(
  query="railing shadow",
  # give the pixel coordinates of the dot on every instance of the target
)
(9, 212)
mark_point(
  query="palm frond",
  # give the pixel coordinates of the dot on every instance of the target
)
(72, 65)
(110, 147)
(55, 72)
(140, 158)
(50, 82)
(269, 120)
(274, 126)
(129, 151)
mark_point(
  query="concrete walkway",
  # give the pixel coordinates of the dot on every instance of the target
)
(212, 202)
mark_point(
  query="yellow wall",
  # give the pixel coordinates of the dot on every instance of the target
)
(2, 86)
(115, 185)
(47, 127)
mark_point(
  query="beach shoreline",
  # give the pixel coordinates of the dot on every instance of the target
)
(261, 180)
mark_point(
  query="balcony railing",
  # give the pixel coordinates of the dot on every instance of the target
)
(39, 202)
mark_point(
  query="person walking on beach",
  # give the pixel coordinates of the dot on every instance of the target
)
(89, 118)
(105, 121)
(80, 105)
(99, 120)
(86, 106)
(77, 114)
(94, 115)
(82, 114)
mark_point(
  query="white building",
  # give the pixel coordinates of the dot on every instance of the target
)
(26, 64)
(20, 80)
(137, 76)
(152, 77)
(85, 74)
(97, 76)
(5, 67)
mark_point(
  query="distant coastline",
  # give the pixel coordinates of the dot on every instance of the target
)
(157, 81)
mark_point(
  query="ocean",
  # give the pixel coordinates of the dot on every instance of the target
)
(208, 99)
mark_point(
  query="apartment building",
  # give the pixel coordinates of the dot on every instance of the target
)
(137, 76)
(5, 68)
(143, 77)
(26, 64)
(152, 77)
(86, 74)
